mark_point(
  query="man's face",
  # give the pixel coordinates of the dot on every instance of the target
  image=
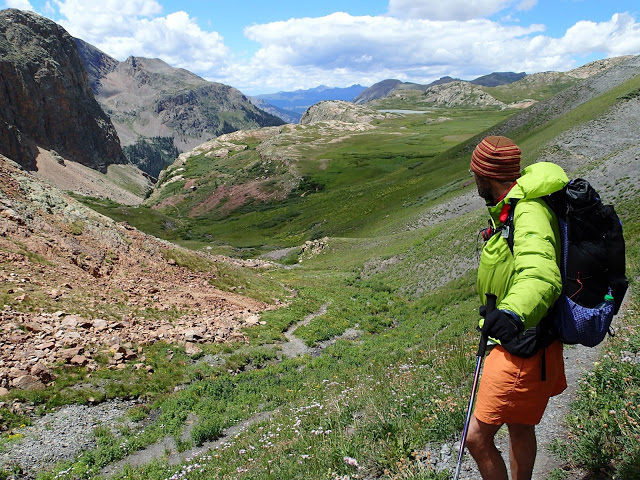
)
(484, 188)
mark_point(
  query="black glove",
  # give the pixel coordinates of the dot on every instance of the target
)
(501, 326)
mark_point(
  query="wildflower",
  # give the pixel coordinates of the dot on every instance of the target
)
(351, 461)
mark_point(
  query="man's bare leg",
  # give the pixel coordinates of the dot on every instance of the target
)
(483, 450)
(523, 450)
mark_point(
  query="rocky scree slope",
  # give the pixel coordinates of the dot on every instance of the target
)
(76, 285)
(47, 99)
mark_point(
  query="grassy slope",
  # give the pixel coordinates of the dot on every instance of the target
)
(368, 177)
(378, 400)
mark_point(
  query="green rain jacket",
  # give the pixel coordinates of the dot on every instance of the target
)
(528, 281)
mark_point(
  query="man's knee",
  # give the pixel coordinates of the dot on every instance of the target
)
(480, 436)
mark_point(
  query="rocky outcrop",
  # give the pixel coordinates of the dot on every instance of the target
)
(47, 100)
(456, 94)
(340, 111)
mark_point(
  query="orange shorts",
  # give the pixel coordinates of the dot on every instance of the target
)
(512, 390)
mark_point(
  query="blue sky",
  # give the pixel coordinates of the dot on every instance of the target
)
(262, 47)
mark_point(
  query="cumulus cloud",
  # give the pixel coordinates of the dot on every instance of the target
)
(341, 46)
(618, 36)
(135, 27)
(19, 4)
(447, 10)
(368, 44)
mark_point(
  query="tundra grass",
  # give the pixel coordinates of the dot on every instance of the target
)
(525, 89)
(378, 402)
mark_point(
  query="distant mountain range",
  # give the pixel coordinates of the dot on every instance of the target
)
(385, 87)
(297, 102)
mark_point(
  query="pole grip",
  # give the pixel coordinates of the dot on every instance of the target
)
(491, 306)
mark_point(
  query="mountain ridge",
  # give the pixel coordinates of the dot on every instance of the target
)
(147, 98)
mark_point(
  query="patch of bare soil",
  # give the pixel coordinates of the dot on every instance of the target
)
(71, 176)
(234, 197)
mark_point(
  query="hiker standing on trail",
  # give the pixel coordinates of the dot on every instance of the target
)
(525, 367)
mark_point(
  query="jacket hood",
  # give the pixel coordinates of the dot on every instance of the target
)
(538, 180)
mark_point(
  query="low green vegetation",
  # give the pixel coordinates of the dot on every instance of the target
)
(351, 187)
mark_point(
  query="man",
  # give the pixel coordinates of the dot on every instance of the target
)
(525, 367)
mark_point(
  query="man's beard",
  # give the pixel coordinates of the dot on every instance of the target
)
(484, 189)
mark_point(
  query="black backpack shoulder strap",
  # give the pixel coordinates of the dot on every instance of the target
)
(509, 224)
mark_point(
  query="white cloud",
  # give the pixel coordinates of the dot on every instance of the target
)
(446, 10)
(305, 52)
(133, 27)
(19, 4)
(369, 44)
(618, 36)
(525, 5)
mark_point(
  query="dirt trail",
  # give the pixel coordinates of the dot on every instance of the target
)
(296, 346)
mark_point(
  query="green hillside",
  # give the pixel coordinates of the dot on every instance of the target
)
(313, 181)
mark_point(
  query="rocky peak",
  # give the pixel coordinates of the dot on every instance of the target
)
(47, 100)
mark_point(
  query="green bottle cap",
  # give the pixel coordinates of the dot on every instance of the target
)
(608, 298)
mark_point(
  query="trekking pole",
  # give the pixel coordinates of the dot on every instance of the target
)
(482, 348)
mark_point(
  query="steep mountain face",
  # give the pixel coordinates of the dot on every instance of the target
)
(148, 99)
(378, 90)
(47, 100)
(97, 63)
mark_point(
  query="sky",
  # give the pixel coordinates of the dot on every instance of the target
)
(262, 46)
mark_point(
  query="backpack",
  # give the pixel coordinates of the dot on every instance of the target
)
(592, 261)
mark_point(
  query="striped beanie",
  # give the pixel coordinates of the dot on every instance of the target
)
(497, 158)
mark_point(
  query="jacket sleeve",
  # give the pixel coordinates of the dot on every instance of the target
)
(537, 280)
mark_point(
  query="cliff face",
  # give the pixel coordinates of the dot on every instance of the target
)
(46, 98)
